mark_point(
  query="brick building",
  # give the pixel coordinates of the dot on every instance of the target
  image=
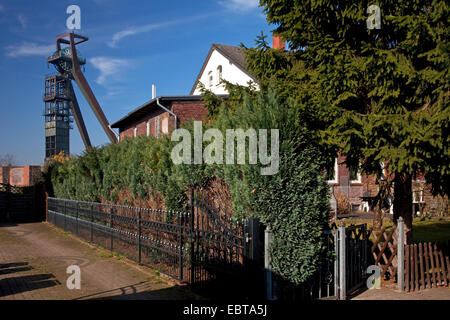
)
(360, 190)
(20, 176)
(160, 116)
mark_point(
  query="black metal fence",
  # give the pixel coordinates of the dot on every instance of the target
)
(147, 236)
(204, 247)
(199, 246)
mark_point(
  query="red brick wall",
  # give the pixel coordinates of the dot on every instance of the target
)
(189, 111)
(141, 125)
(20, 176)
(354, 190)
(4, 174)
(185, 110)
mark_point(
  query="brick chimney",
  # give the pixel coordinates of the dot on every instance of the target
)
(278, 43)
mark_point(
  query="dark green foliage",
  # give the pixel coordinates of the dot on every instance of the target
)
(293, 202)
(375, 95)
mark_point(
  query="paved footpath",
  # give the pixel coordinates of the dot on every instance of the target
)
(34, 258)
(391, 294)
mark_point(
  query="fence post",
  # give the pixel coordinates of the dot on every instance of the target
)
(92, 222)
(46, 206)
(253, 255)
(76, 217)
(139, 236)
(111, 226)
(336, 262)
(33, 202)
(252, 239)
(401, 255)
(270, 294)
(65, 215)
(8, 202)
(180, 249)
(192, 242)
(342, 263)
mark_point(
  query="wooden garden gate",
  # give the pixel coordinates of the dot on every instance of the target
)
(384, 250)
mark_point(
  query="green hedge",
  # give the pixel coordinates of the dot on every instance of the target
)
(293, 203)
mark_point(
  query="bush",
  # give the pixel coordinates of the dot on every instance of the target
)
(293, 202)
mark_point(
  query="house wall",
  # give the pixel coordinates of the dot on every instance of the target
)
(423, 200)
(20, 176)
(4, 174)
(230, 72)
(185, 111)
(353, 190)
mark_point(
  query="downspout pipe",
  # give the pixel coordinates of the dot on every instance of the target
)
(170, 112)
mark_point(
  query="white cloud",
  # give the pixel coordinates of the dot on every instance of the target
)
(29, 49)
(22, 20)
(150, 27)
(109, 68)
(240, 5)
(133, 31)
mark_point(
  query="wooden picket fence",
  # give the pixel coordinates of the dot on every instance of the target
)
(425, 267)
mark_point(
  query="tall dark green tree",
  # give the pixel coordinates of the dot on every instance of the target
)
(374, 94)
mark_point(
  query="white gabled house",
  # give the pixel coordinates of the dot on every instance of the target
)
(223, 62)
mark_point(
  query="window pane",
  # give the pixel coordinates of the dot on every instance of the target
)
(330, 173)
(353, 173)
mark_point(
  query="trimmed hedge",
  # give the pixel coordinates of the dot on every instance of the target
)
(293, 203)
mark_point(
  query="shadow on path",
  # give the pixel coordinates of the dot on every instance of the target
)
(14, 267)
(14, 285)
(141, 291)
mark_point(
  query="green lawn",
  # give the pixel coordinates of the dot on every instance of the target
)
(433, 230)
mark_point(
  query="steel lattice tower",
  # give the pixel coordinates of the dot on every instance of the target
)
(58, 116)
(61, 105)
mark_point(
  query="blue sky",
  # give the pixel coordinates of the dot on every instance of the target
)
(132, 45)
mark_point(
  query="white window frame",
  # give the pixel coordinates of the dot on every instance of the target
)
(210, 79)
(336, 168)
(157, 126)
(148, 128)
(383, 171)
(165, 126)
(420, 193)
(135, 132)
(358, 176)
(219, 71)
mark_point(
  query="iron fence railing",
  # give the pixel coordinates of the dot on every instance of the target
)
(148, 236)
(205, 248)
(200, 246)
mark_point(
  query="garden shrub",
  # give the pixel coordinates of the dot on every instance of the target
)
(293, 203)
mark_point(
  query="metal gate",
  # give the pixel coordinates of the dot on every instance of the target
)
(352, 259)
(226, 252)
(342, 268)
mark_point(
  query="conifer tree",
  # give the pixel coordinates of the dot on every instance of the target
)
(376, 95)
